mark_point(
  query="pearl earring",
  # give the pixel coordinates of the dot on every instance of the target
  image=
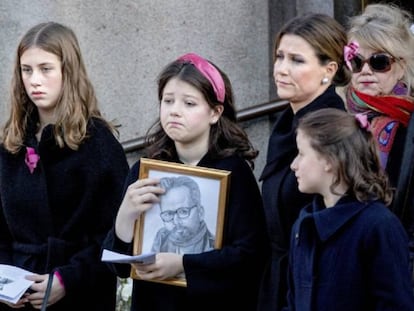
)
(325, 80)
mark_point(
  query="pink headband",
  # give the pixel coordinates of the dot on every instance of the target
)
(209, 72)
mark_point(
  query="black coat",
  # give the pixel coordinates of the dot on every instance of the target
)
(282, 199)
(57, 217)
(228, 277)
(352, 256)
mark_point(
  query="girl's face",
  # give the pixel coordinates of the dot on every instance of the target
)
(42, 78)
(312, 170)
(186, 116)
(376, 83)
(298, 73)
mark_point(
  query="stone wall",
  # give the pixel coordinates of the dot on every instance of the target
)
(126, 43)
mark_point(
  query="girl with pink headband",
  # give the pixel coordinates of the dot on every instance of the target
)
(197, 126)
(209, 72)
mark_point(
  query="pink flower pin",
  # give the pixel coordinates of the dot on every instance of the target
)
(350, 51)
(31, 159)
(363, 121)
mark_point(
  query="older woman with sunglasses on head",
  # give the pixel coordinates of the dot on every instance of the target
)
(380, 55)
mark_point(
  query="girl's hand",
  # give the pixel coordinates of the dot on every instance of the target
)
(36, 298)
(166, 265)
(139, 197)
(19, 304)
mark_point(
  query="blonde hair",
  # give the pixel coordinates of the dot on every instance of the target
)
(386, 28)
(77, 102)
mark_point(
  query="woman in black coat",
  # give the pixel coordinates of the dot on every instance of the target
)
(308, 64)
(62, 172)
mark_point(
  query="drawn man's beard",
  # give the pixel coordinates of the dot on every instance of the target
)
(181, 233)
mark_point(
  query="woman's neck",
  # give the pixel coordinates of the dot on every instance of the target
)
(40, 130)
(44, 120)
(297, 105)
(190, 154)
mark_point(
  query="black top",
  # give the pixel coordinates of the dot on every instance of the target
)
(352, 256)
(57, 217)
(281, 197)
(220, 278)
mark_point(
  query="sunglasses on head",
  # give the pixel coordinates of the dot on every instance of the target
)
(378, 62)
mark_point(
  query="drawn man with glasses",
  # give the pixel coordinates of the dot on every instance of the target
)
(185, 230)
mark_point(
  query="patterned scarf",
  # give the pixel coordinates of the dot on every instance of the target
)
(386, 113)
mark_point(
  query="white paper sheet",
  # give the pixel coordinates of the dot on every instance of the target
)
(110, 256)
(12, 283)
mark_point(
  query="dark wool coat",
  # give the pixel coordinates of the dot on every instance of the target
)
(57, 217)
(228, 277)
(282, 199)
(352, 256)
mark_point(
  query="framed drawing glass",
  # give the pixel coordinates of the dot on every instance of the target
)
(190, 215)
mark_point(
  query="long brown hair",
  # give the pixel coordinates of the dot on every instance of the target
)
(352, 150)
(226, 136)
(77, 102)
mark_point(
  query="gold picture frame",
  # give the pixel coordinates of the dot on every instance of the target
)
(213, 185)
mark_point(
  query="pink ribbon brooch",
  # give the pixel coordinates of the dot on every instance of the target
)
(363, 121)
(350, 51)
(31, 159)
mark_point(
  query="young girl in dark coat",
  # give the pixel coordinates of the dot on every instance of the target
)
(197, 126)
(308, 65)
(348, 250)
(61, 178)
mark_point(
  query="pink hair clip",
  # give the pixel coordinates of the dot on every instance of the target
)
(31, 159)
(209, 72)
(350, 51)
(363, 121)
